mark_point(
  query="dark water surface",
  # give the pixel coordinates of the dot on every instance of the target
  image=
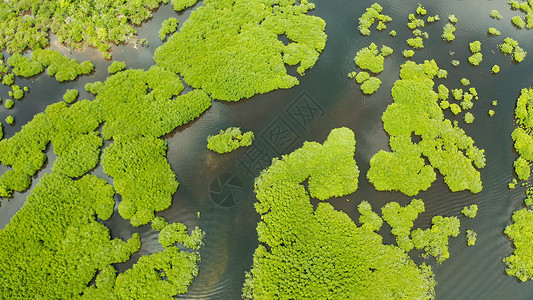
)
(220, 187)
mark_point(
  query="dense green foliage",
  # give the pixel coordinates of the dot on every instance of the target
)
(55, 242)
(434, 240)
(177, 233)
(369, 58)
(24, 153)
(527, 8)
(494, 31)
(10, 120)
(231, 50)
(401, 220)
(368, 218)
(229, 140)
(495, 69)
(510, 46)
(522, 136)
(416, 111)
(468, 117)
(447, 32)
(27, 24)
(495, 14)
(408, 53)
(57, 65)
(471, 237)
(9, 103)
(372, 14)
(70, 95)
(416, 43)
(520, 263)
(371, 85)
(161, 275)
(308, 253)
(169, 26)
(470, 211)
(116, 66)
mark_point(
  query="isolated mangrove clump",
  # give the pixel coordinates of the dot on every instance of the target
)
(373, 14)
(416, 111)
(231, 50)
(510, 46)
(470, 211)
(291, 231)
(471, 237)
(371, 59)
(70, 95)
(229, 140)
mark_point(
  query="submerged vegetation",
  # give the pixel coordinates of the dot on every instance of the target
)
(229, 140)
(291, 231)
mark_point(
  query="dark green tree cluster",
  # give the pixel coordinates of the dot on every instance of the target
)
(527, 8)
(57, 65)
(27, 24)
(373, 14)
(416, 111)
(520, 263)
(229, 140)
(54, 246)
(169, 26)
(231, 50)
(308, 253)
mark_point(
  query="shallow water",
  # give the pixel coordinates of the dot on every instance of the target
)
(220, 187)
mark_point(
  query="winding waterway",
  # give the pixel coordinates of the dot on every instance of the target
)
(220, 187)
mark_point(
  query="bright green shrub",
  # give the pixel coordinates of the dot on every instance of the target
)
(70, 95)
(116, 66)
